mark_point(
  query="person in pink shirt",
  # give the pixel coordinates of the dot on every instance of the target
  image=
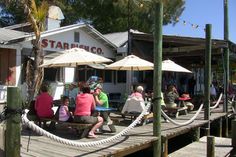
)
(64, 114)
(85, 104)
(138, 93)
(44, 103)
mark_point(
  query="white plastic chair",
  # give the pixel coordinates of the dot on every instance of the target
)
(133, 105)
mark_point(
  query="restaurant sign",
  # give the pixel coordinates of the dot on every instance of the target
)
(46, 43)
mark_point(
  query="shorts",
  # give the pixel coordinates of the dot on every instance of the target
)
(86, 119)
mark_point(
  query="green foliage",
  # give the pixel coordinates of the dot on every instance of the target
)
(112, 15)
(39, 13)
(10, 13)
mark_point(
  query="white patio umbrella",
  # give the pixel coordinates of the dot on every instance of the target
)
(132, 63)
(74, 57)
(168, 65)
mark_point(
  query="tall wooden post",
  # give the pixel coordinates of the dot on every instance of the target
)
(226, 61)
(13, 130)
(158, 21)
(233, 136)
(219, 128)
(207, 75)
(2, 132)
(210, 146)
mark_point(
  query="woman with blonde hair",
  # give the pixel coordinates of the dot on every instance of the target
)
(171, 96)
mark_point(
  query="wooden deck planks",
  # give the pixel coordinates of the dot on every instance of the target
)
(199, 149)
(117, 147)
(138, 138)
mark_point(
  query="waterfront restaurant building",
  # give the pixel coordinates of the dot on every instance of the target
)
(15, 50)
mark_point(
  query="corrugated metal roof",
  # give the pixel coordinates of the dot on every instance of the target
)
(87, 28)
(17, 26)
(120, 38)
(8, 35)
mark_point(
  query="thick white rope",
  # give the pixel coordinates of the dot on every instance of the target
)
(233, 109)
(217, 103)
(184, 123)
(231, 101)
(40, 131)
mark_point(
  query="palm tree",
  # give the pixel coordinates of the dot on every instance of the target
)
(34, 74)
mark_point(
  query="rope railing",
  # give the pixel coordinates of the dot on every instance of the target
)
(233, 109)
(231, 101)
(218, 102)
(182, 123)
(41, 131)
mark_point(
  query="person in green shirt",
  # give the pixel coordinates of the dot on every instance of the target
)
(101, 99)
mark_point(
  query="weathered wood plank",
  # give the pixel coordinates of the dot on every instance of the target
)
(138, 138)
(198, 149)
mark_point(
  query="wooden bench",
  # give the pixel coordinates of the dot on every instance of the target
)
(175, 111)
(81, 129)
(133, 115)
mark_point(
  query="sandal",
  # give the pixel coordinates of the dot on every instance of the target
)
(91, 135)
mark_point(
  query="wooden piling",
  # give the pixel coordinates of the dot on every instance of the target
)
(210, 146)
(207, 75)
(233, 133)
(219, 128)
(164, 147)
(13, 130)
(2, 132)
(158, 22)
(195, 134)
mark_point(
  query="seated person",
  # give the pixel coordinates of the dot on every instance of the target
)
(133, 105)
(163, 105)
(162, 101)
(138, 93)
(171, 96)
(101, 99)
(44, 103)
(72, 94)
(85, 105)
(64, 114)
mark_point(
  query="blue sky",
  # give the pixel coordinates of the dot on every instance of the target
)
(202, 12)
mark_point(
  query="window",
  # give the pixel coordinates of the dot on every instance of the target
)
(139, 75)
(77, 37)
(108, 76)
(90, 72)
(99, 73)
(80, 74)
(50, 74)
(7, 67)
(121, 76)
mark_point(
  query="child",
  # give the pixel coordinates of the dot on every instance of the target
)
(64, 114)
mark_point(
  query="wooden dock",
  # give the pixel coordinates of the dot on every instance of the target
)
(139, 138)
(199, 149)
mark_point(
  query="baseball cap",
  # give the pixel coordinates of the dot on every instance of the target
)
(98, 86)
